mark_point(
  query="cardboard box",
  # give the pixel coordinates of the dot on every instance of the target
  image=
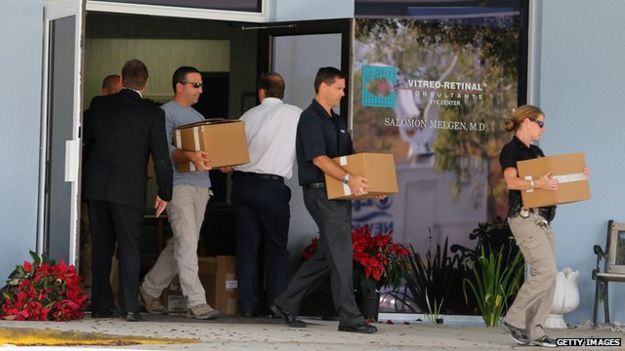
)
(172, 298)
(224, 140)
(567, 168)
(379, 169)
(183, 167)
(218, 276)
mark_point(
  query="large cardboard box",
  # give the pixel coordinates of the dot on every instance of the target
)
(223, 139)
(379, 169)
(172, 297)
(218, 276)
(568, 169)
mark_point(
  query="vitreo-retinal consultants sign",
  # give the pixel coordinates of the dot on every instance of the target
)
(433, 86)
(229, 5)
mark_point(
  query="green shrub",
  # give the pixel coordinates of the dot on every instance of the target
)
(495, 281)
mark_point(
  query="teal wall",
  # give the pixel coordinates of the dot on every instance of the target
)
(579, 84)
(21, 21)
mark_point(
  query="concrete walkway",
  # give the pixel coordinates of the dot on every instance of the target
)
(262, 334)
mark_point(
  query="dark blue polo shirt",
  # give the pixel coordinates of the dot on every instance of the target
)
(319, 133)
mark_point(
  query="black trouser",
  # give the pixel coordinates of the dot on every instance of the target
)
(112, 222)
(260, 204)
(333, 258)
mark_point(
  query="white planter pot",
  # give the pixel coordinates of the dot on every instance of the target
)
(565, 298)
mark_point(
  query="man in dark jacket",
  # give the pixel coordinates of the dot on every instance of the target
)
(120, 133)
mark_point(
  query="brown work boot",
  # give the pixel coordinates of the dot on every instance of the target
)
(202, 311)
(152, 304)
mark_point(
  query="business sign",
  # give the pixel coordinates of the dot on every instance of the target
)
(433, 88)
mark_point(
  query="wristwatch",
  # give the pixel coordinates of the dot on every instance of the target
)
(346, 179)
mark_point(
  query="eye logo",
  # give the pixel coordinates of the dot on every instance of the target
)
(378, 86)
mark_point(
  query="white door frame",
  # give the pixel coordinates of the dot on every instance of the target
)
(183, 12)
(53, 10)
(56, 9)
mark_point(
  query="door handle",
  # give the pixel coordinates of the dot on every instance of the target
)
(72, 151)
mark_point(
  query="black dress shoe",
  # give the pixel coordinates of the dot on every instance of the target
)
(359, 328)
(288, 318)
(132, 317)
(113, 312)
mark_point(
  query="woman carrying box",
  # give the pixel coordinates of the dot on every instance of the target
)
(531, 229)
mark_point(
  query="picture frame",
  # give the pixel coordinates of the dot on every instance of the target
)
(616, 248)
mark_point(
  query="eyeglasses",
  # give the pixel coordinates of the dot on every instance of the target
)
(540, 123)
(195, 85)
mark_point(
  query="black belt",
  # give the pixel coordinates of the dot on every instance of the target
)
(261, 175)
(320, 185)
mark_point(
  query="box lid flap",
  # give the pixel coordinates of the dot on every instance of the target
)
(208, 121)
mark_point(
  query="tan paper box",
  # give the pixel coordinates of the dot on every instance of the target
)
(218, 276)
(172, 298)
(379, 169)
(223, 139)
(568, 169)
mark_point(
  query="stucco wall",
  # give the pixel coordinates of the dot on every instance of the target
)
(579, 84)
(21, 21)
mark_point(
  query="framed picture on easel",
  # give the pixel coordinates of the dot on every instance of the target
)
(616, 248)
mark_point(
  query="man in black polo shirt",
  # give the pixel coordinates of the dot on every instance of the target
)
(321, 136)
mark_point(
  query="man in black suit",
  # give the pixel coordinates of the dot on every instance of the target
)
(120, 132)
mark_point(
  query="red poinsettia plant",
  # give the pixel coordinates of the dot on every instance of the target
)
(378, 261)
(43, 290)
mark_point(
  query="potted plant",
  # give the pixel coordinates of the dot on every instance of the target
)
(434, 311)
(378, 262)
(494, 282)
(43, 290)
(431, 280)
(493, 235)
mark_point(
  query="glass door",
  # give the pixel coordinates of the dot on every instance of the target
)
(296, 50)
(60, 139)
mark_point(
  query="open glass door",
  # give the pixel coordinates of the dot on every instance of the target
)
(60, 139)
(296, 50)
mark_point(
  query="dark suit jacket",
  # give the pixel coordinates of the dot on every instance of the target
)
(120, 133)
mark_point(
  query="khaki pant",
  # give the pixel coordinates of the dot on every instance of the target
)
(186, 214)
(535, 298)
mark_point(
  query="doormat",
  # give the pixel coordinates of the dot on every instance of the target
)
(49, 337)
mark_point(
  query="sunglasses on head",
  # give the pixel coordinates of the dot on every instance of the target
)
(540, 123)
(195, 85)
